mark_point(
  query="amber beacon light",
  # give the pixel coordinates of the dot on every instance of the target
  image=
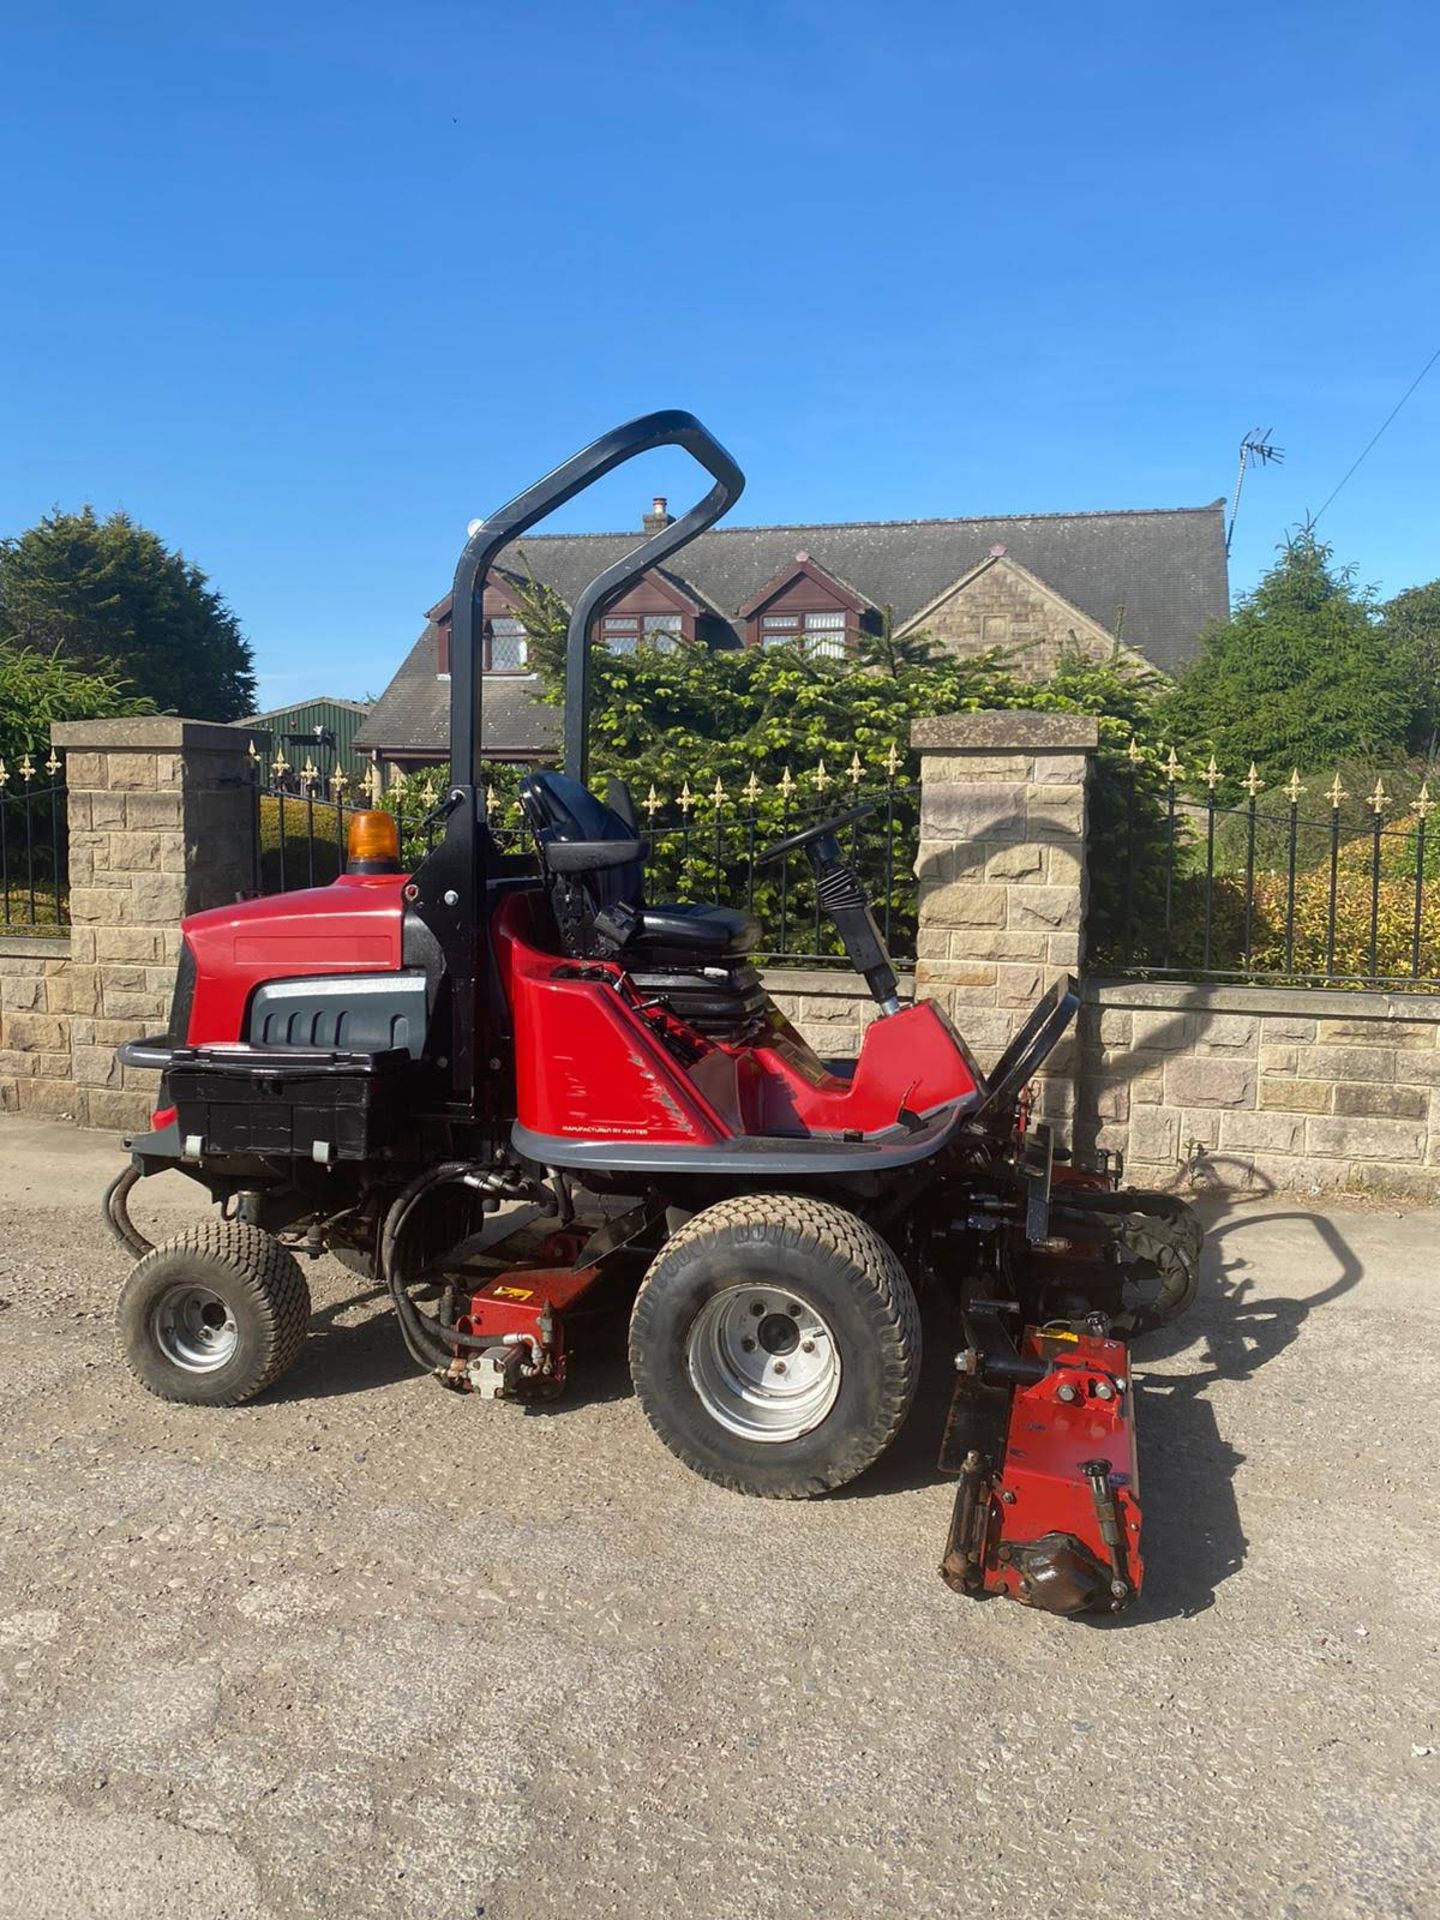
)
(373, 844)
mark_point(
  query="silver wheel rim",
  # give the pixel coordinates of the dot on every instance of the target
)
(194, 1328)
(764, 1364)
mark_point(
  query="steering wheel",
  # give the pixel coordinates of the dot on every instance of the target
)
(809, 835)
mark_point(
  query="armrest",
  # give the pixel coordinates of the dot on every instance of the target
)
(592, 856)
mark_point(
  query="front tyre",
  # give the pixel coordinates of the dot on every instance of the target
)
(775, 1345)
(214, 1316)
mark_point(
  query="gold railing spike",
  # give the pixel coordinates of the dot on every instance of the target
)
(652, 802)
(1172, 767)
(687, 799)
(821, 778)
(892, 761)
(1253, 782)
(27, 771)
(253, 750)
(429, 794)
(718, 794)
(4, 774)
(1337, 793)
(1212, 775)
(489, 802)
(52, 765)
(309, 773)
(1423, 803)
(1378, 798)
(397, 778)
(1293, 787)
(786, 784)
(752, 789)
(855, 770)
(1133, 753)
(280, 766)
(339, 780)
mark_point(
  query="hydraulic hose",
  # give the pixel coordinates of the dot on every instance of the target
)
(431, 1344)
(117, 1214)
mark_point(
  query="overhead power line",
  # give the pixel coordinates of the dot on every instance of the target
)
(1359, 459)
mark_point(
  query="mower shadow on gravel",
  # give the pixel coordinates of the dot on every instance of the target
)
(1196, 1531)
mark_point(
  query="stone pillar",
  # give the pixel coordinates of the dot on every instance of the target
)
(161, 825)
(1002, 871)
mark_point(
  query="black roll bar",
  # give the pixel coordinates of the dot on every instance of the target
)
(670, 427)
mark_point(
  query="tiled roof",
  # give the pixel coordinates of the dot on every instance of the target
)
(1156, 576)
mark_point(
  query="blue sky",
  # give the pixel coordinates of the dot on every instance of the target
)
(306, 287)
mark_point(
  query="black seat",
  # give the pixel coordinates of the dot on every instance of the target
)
(593, 858)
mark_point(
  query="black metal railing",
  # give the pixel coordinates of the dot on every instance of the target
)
(702, 847)
(1270, 890)
(34, 846)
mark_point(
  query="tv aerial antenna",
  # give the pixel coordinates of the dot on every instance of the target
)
(1255, 451)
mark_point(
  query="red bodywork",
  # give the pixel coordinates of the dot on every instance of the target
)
(592, 1060)
(1081, 1413)
(352, 926)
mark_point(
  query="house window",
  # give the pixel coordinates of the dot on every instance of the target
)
(627, 632)
(821, 636)
(507, 650)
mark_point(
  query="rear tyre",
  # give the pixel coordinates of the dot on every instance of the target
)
(214, 1316)
(775, 1345)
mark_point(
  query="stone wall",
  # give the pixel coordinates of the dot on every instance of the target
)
(829, 1009)
(1002, 604)
(36, 1002)
(1001, 865)
(160, 820)
(1256, 1086)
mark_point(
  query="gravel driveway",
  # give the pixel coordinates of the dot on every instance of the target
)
(364, 1648)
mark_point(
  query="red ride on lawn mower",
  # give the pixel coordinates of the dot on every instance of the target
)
(375, 1067)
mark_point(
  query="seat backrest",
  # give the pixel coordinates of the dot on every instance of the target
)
(559, 809)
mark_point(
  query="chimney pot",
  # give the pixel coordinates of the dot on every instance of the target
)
(659, 515)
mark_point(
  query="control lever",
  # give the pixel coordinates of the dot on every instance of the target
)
(841, 894)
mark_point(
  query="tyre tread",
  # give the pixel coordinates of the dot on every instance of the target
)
(272, 1275)
(803, 1221)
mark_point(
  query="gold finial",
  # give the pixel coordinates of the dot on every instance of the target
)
(1253, 782)
(1172, 767)
(52, 765)
(27, 772)
(1293, 787)
(280, 766)
(1133, 752)
(718, 794)
(1378, 799)
(397, 778)
(340, 780)
(429, 795)
(4, 774)
(652, 802)
(1337, 793)
(821, 778)
(687, 799)
(253, 750)
(309, 773)
(786, 784)
(489, 802)
(1212, 775)
(1423, 803)
(892, 760)
(751, 789)
(856, 771)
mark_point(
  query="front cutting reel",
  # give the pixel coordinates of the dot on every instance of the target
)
(1041, 1431)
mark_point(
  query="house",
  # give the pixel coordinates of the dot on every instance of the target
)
(321, 731)
(1147, 582)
